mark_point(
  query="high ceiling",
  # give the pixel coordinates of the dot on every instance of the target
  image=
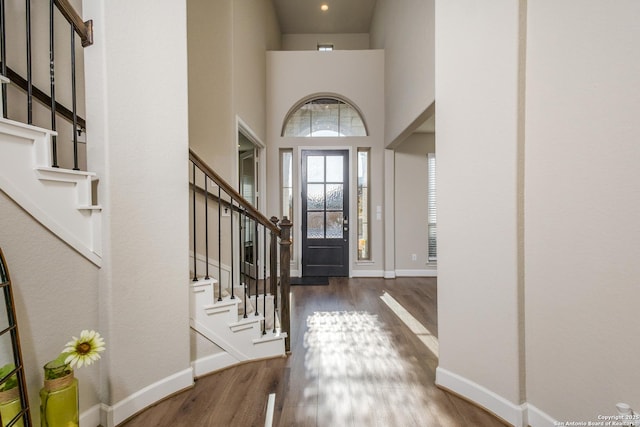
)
(306, 17)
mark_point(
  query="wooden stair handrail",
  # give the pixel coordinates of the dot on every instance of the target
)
(84, 29)
(256, 214)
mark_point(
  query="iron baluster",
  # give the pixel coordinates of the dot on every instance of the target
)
(219, 246)
(195, 259)
(254, 258)
(29, 75)
(3, 56)
(233, 279)
(206, 229)
(243, 277)
(74, 99)
(264, 280)
(54, 138)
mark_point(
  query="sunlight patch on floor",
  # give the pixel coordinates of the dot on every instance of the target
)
(361, 377)
(413, 324)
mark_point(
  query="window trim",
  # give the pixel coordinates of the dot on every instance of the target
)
(327, 95)
(367, 208)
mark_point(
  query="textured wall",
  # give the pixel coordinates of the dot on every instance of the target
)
(477, 143)
(138, 104)
(582, 206)
(56, 295)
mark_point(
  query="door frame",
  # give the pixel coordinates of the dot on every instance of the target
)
(297, 228)
(260, 176)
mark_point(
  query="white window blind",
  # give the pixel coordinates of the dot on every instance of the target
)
(431, 208)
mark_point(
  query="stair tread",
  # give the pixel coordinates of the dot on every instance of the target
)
(204, 282)
(270, 336)
(251, 318)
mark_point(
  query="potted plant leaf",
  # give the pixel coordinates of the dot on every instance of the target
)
(9, 395)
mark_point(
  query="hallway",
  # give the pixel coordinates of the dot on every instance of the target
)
(353, 363)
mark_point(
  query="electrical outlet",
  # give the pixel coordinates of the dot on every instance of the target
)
(414, 257)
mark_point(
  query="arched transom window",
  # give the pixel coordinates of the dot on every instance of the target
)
(324, 116)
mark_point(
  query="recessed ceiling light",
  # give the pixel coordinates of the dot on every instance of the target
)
(324, 7)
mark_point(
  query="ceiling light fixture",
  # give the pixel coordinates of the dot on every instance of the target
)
(324, 7)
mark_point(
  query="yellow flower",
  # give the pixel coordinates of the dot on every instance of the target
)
(84, 350)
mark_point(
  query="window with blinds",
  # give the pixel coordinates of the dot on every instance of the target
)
(431, 208)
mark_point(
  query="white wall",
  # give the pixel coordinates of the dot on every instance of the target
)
(477, 141)
(227, 67)
(137, 105)
(537, 152)
(254, 32)
(411, 179)
(356, 75)
(405, 30)
(210, 55)
(355, 41)
(56, 296)
(582, 206)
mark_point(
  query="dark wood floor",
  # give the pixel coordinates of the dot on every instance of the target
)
(353, 363)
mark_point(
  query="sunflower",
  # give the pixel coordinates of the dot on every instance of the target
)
(84, 350)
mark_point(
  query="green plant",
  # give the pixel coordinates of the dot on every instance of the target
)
(12, 381)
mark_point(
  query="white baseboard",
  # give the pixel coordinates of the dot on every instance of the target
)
(390, 274)
(514, 414)
(416, 273)
(215, 362)
(367, 273)
(537, 418)
(91, 417)
(147, 396)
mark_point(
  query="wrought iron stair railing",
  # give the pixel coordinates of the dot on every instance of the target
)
(78, 28)
(227, 229)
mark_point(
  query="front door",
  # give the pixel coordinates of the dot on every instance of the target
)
(325, 213)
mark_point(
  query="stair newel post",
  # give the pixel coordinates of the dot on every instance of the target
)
(219, 245)
(285, 274)
(195, 258)
(273, 270)
(206, 228)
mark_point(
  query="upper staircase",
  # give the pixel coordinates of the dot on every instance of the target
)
(60, 199)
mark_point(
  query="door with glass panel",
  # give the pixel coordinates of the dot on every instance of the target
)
(325, 213)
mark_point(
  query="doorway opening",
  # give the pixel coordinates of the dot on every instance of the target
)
(248, 187)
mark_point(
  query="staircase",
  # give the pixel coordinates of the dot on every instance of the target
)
(60, 199)
(240, 302)
(247, 323)
(223, 322)
(233, 313)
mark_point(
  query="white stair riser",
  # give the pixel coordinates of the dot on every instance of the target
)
(219, 322)
(60, 199)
